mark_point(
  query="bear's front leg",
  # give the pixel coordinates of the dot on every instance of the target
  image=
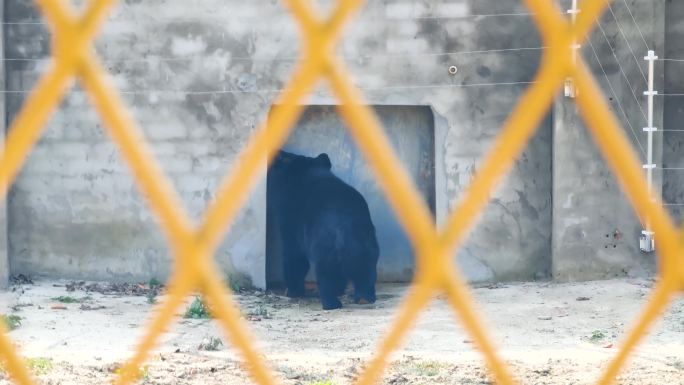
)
(328, 289)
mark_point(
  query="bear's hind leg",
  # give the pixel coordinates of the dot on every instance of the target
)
(294, 271)
(340, 284)
(364, 286)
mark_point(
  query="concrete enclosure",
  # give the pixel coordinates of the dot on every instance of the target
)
(200, 77)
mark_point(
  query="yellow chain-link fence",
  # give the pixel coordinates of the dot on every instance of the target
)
(194, 244)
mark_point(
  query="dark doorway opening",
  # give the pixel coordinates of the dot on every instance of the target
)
(411, 131)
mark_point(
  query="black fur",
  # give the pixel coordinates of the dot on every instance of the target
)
(323, 222)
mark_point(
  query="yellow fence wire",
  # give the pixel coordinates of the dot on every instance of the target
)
(193, 245)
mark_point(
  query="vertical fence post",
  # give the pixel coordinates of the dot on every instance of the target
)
(570, 89)
(4, 244)
(646, 242)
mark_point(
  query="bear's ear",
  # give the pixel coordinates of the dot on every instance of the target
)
(323, 160)
(282, 157)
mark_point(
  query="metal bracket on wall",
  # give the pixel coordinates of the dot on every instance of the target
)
(647, 241)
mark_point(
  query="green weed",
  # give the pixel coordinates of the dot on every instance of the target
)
(11, 321)
(597, 336)
(261, 311)
(152, 297)
(39, 365)
(213, 344)
(70, 299)
(197, 310)
(428, 368)
(154, 285)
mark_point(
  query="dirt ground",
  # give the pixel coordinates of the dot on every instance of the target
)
(549, 333)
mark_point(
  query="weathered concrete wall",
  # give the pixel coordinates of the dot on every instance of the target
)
(673, 136)
(75, 210)
(595, 229)
(199, 78)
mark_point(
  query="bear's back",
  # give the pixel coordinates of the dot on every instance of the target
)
(327, 191)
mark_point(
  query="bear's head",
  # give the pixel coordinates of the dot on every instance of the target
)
(292, 166)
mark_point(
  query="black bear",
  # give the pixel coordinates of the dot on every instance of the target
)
(322, 222)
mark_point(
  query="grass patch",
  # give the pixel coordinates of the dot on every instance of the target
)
(197, 310)
(428, 368)
(145, 373)
(39, 365)
(70, 299)
(155, 285)
(212, 344)
(260, 311)
(597, 336)
(65, 299)
(11, 321)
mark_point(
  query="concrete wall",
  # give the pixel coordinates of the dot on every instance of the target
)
(595, 229)
(199, 77)
(75, 212)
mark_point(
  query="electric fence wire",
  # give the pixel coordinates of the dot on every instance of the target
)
(636, 24)
(624, 74)
(616, 98)
(227, 18)
(629, 46)
(293, 59)
(152, 58)
(275, 91)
